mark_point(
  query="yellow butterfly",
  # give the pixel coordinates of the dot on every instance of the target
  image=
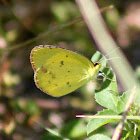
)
(59, 71)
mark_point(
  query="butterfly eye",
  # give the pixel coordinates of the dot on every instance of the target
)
(96, 63)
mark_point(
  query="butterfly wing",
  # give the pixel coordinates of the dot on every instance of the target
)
(59, 71)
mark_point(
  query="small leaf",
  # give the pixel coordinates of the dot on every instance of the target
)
(123, 100)
(98, 137)
(96, 57)
(120, 106)
(96, 123)
(71, 129)
(53, 133)
(125, 96)
(107, 99)
(108, 95)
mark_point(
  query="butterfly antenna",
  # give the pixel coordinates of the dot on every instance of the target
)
(104, 75)
(113, 58)
(108, 53)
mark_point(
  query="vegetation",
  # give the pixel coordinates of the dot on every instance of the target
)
(28, 113)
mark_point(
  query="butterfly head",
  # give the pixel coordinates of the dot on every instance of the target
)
(97, 65)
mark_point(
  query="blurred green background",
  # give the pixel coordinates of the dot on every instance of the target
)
(21, 102)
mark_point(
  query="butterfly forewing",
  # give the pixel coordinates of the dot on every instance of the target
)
(59, 71)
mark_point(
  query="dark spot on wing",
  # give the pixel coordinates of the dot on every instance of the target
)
(68, 71)
(43, 69)
(66, 55)
(53, 76)
(61, 63)
(68, 83)
(49, 82)
(50, 72)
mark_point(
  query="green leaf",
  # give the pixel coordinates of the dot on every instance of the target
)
(120, 106)
(98, 137)
(96, 57)
(107, 99)
(108, 95)
(125, 96)
(109, 76)
(96, 123)
(75, 129)
(123, 100)
(53, 133)
(50, 137)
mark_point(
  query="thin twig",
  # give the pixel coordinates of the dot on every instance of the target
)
(42, 35)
